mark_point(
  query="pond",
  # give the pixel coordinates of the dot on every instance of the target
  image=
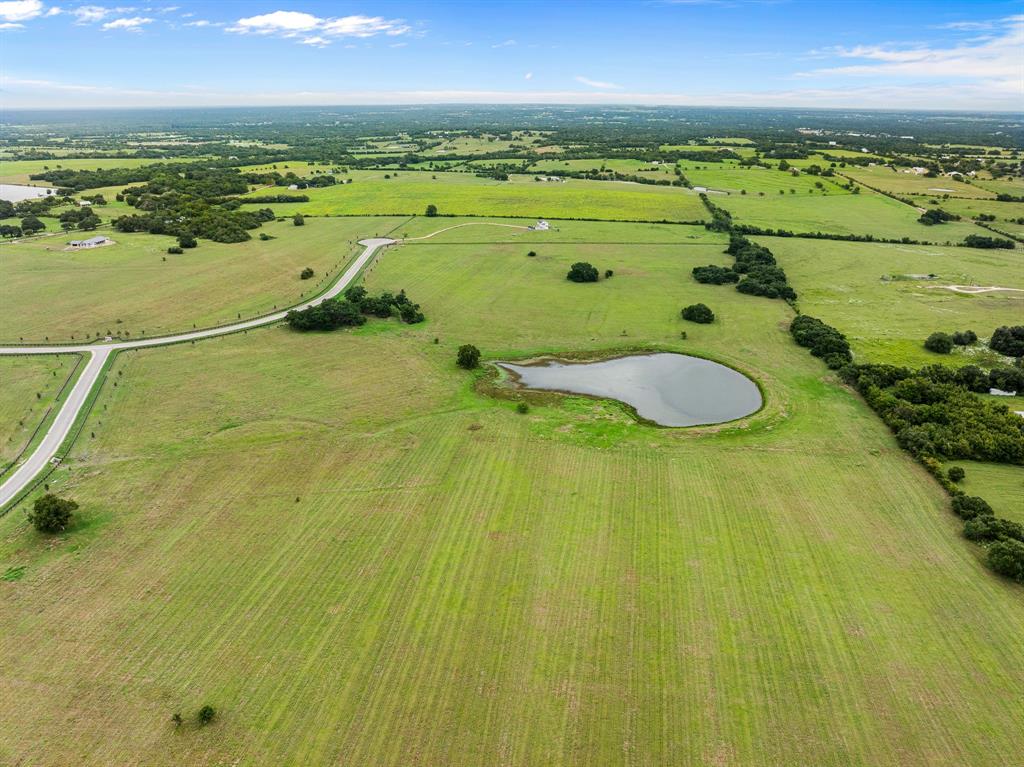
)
(19, 192)
(668, 389)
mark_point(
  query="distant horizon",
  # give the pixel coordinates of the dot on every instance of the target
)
(944, 55)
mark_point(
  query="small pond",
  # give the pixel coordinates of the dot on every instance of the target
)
(19, 192)
(668, 389)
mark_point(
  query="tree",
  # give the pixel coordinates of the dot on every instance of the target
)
(956, 474)
(940, 343)
(1007, 558)
(431, 211)
(206, 714)
(468, 357)
(51, 514)
(699, 313)
(174, 250)
(608, 273)
(964, 337)
(715, 275)
(187, 241)
(532, 254)
(1008, 340)
(176, 719)
(306, 273)
(298, 220)
(581, 271)
(971, 506)
(31, 225)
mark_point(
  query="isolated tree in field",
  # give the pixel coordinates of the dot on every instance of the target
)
(431, 211)
(582, 271)
(187, 241)
(468, 357)
(940, 343)
(174, 250)
(31, 225)
(956, 474)
(51, 514)
(306, 273)
(298, 220)
(532, 254)
(699, 313)
(608, 273)
(206, 714)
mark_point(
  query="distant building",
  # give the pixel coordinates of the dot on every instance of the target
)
(541, 226)
(700, 189)
(92, 242)
(84, 203)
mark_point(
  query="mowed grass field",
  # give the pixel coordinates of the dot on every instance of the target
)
(134, 286)
(18, 171)
(887, 321)
(359, 560)
(467, 194)
(861, 214)
(755, 180)
(30, 384)
(1001, 485)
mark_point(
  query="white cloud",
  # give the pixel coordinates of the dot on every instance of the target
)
(297, 23)
(528, 76)
(54, 11)
(197, 23)
(992, 62)
(966, 26)
(88, 14)
(20, 10)
(133, 23)
(11, 25)
(316, 41)
(597, 83)
(506, 44)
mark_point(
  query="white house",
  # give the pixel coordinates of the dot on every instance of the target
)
(541, 226)
(92, 242)
(84, 203)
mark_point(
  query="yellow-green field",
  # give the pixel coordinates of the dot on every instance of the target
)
(30, 385)
(410, 192)
(902, 181)
(358, 559)
(887, 320)
(133, 286)
(1000, 484)
(18, 171)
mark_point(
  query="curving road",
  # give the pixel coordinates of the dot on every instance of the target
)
(100, 353)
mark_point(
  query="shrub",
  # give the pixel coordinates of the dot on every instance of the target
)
(964, 337)
(187, 241)
(993, 529)
(956, 474)
(532, 254)
(940, 343)
(174, 250)
(410, 314)
(431, 211)
(327, 315)
(1007, 558)
(522, 408)
(608, 273)
(468, 357)
(1008, 341)
(823, 340)
(936, 216)
(715, 275)
(581, 271)
(980, 241)
(51, 514)
(971, 506)
(298, 220)
(306, 273)
(699, 313)
(206, 714)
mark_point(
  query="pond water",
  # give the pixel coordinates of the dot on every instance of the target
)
(19, 192)
(668, 389)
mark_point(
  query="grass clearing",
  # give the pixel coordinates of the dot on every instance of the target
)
(903, 183)
(1002, 485)
(459, 584)
(30, 385)
(467, 194)
(49, 292)
(861, 214)
(18, 171)
(756, 180)
(888, 321)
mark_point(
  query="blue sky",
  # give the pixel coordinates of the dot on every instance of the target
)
(895, 54)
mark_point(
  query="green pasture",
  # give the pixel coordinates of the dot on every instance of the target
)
(902, 181)
(1000, 484)
(30, 384)
(134, 286)
(467, 194)
(887, 320)
(357, 558)
(756, 180)
(18, 171)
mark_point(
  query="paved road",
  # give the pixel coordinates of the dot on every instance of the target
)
(100, 353)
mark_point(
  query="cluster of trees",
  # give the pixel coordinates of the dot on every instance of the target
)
(29, 225)
(177, 215)
(988, 243)
(935, 412)
(289, 179)
(582, 271)
(761, 276)
(263, 199)
(934, 216)
(79, 218)
(715, 275)
(353, 309)
(699, 313)
(1008, 340)
(823, 340)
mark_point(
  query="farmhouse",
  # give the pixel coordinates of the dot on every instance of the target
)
(541, 226)
(92, 242)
